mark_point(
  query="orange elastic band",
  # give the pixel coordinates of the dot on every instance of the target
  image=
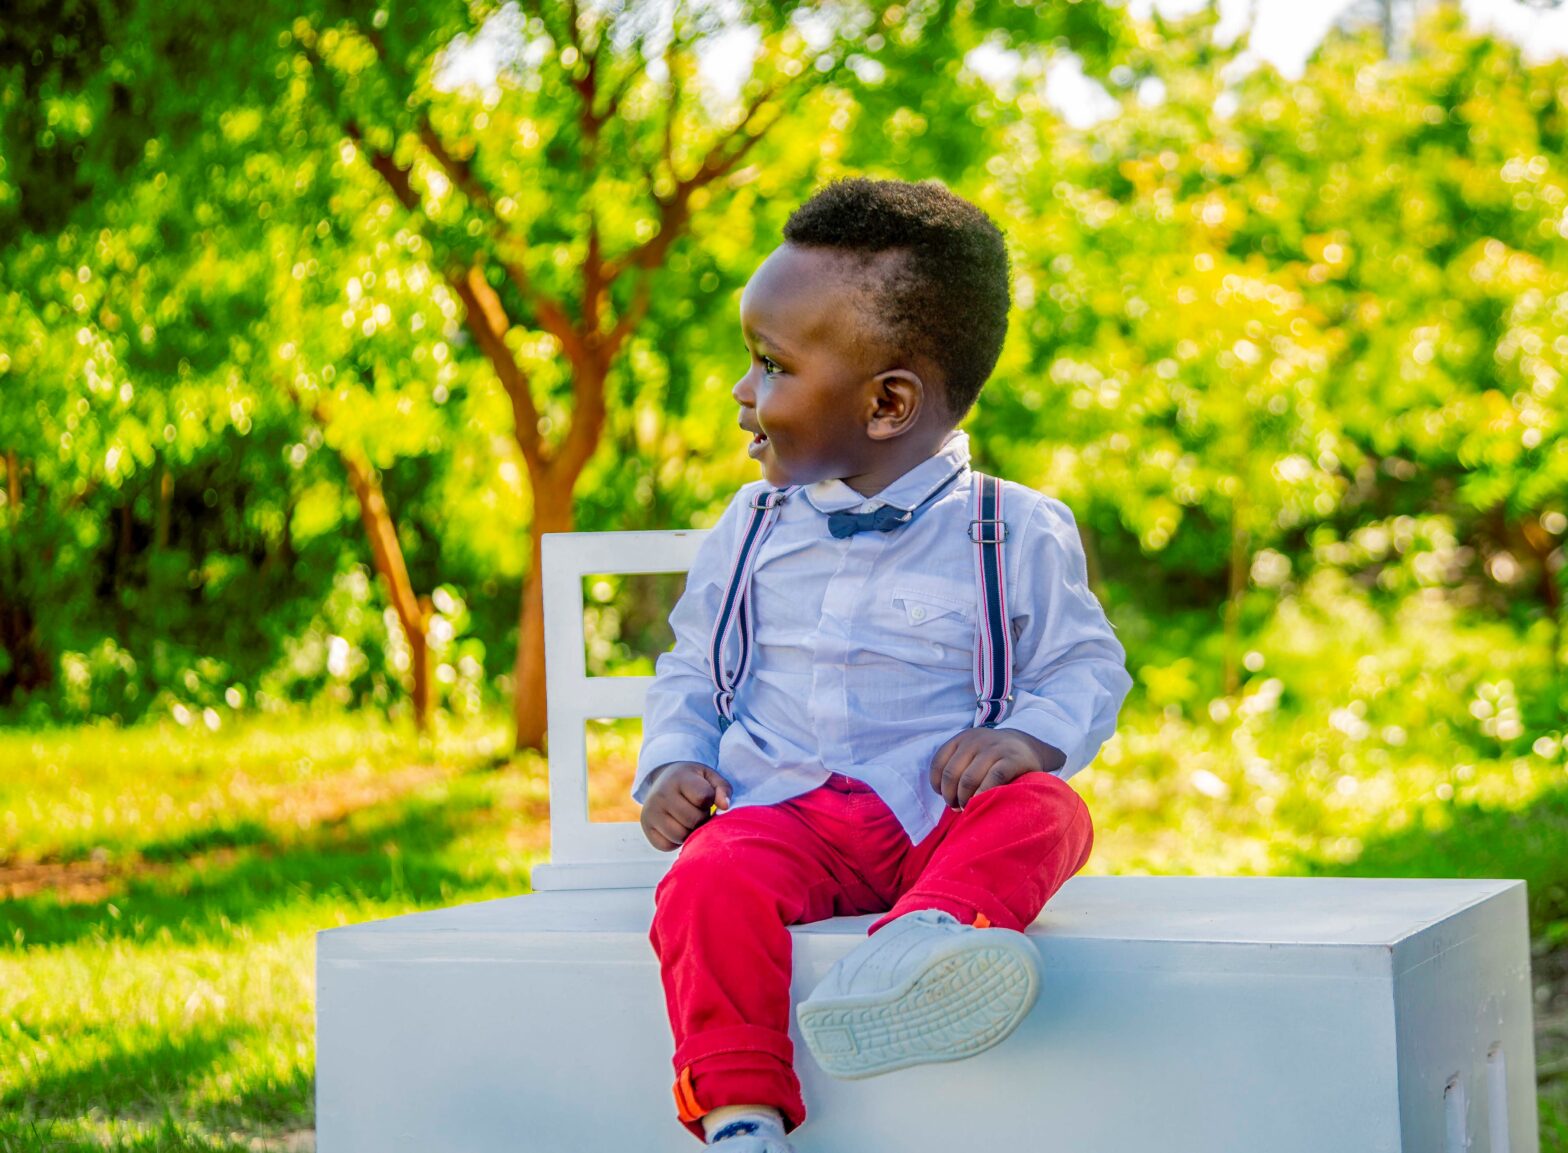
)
(686, 1108)
(982, 921)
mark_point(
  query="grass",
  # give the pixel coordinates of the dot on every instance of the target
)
(159, 886)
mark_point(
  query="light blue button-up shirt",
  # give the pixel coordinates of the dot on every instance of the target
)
(864, 657)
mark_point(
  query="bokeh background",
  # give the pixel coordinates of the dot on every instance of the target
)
(314, 316)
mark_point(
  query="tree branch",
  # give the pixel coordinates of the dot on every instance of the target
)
(593, 283)
(399, 177)
(486, 316)
(459, 170)
(633, 316)
(675, 209)
(588, 414)
(489, 322)
(550, 314)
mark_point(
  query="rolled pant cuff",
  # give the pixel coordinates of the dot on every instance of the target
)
(965, 902)
(740, 1065)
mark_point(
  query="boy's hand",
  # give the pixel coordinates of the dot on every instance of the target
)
(980, 759)
(683, 796)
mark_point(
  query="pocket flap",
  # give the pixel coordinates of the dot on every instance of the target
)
(922, 605)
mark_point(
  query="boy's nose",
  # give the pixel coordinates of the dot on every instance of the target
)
(742, 391)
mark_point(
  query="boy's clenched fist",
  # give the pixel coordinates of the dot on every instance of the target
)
(683, 796)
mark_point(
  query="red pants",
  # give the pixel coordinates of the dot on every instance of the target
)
(719, 926)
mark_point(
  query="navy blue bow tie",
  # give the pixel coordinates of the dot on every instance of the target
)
(887, 518)
(884, 519)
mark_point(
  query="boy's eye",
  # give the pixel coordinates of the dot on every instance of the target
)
(769, 365)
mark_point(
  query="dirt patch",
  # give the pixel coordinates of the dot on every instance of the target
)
(298, 1141)
(72, 881)
(311, 803)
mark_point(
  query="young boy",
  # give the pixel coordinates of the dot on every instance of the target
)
(833, 732)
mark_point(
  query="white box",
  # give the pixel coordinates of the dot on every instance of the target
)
(1178, 1014)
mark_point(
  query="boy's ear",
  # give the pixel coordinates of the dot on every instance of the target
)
(899, 399)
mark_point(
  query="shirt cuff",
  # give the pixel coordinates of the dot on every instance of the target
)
(668, 747)
(1040, 723)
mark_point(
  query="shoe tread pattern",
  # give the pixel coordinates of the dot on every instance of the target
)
(959, 1006)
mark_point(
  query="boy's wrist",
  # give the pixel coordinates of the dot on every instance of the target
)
(653, 777)
(1048, 756)
(673, 747)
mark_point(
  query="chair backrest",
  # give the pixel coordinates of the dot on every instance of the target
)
(587, 854)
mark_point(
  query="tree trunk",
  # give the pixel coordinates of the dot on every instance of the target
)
(30, 666)
(165, 501)
(419, 654)
(413, 613)
(552, 513)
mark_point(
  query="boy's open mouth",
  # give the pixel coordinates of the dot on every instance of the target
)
(758, 443)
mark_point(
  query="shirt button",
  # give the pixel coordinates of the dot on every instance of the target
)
(918, 613)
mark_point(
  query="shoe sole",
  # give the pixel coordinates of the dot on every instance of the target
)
(960, 1004)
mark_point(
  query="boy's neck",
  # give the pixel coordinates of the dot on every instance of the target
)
(899, 459)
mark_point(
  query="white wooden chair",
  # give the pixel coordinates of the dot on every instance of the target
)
(1180, 1014)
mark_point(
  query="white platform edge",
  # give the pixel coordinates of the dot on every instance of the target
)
(1071, 930)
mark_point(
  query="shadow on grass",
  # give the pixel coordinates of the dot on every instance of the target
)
(133, 1079)
(22, 1136)
(392, 852)
(268, 1105)
(235, 835)
(140, 1075)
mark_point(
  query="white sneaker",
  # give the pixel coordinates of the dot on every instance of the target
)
(748, 1137)
(923, 988)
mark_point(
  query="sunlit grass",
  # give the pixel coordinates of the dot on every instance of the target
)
(156, 949)
(103, 790)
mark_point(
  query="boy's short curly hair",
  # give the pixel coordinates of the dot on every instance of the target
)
(948, 299)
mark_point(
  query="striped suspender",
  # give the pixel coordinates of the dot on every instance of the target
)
(734, 619)
(993, 632)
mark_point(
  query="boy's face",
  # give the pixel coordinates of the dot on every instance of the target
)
(811, 393)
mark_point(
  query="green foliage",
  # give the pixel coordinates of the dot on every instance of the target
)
(1271, 302)
(256, 271)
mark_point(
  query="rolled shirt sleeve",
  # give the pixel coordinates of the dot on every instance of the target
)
(1070, 672)
(680, 722)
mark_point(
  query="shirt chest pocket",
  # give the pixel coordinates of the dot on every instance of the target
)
(930, 625)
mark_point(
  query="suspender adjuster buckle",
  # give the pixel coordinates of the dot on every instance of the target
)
(767, 501)
(988, 535)
(991, 700)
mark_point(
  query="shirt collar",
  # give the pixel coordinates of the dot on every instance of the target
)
(906, 492)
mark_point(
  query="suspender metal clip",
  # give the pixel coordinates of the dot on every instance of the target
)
(988, 535)
(769, 500)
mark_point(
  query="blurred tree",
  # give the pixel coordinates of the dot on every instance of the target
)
(1177, 377)
(1255, 304)
(544, 205)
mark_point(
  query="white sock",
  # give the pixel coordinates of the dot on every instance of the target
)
(763, 1118)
